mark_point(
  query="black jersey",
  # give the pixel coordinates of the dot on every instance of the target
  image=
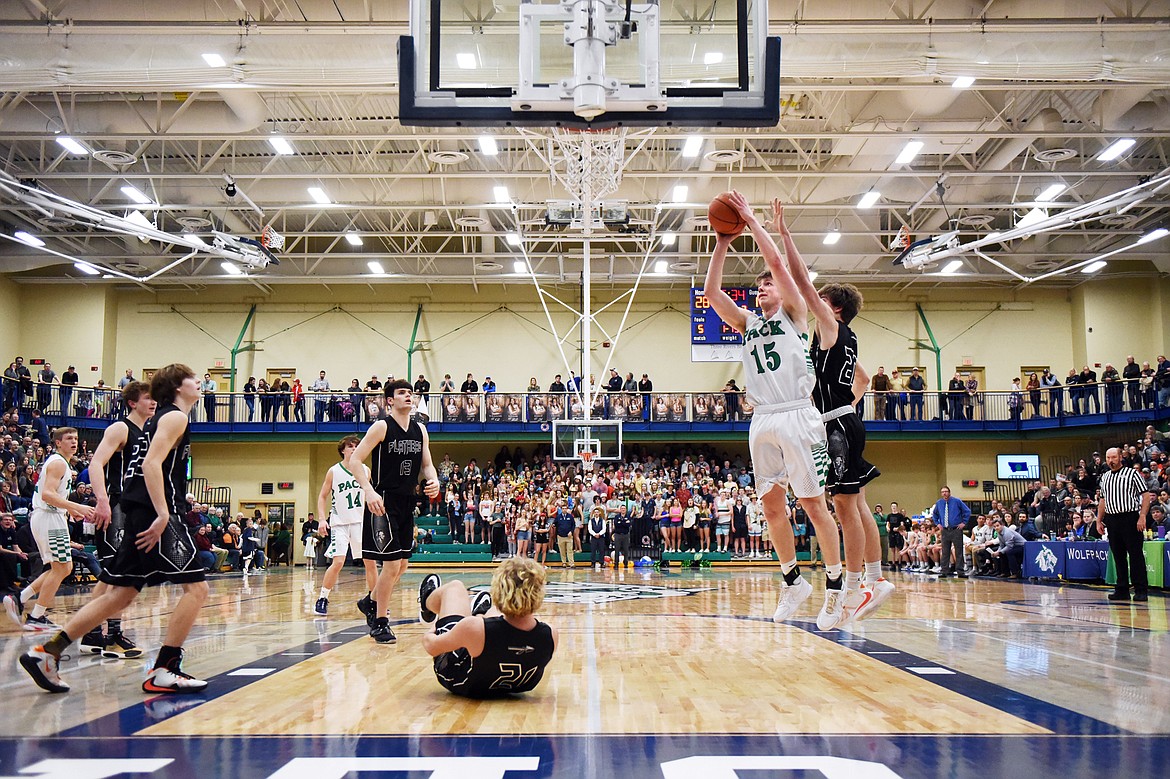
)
(174, 467)
(398, 459)
(834, 370)
(115, 471)
(512, 661)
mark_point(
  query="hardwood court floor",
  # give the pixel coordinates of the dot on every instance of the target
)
(654, 671)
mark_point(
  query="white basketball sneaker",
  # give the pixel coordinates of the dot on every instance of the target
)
(791, 596)
(882, 590)
(833, 612)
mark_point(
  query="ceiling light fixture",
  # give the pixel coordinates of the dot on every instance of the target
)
(86, 268)
(692, 146)
(214, 60)
(952, 268)
(712, 58)
(72, 146)
(488, 146)
(319, 196)
(513, 239)
(1093, 267)
(519, 266)
(832, 237)
(501, 194)
(280, 144)
(909, 152)
(1116, 149)
(136, 195)
(466, 60)
(669, 239)
(812, 275)
(1032, 217)
(679, 194)
(1050, 193)
(661, 267)
(231, 268)
(28, 239)
(869, 198)
(962, 82)
(353, 239)
(1153, 235)
(376, 268)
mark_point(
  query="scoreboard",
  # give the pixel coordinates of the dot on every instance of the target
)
(707, 329)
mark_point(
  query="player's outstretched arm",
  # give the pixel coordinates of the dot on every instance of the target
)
(826, 319)
(356, 462)
(792, 303)
(724, 306)
(429, 473)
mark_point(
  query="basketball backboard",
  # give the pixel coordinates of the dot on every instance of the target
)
(589, 63)
(602, 437)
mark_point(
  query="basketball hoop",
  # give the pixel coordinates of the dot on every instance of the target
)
(586, 461)
(270, 239)
(902, 240)
(593, 159)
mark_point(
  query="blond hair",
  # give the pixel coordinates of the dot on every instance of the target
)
(518, 587)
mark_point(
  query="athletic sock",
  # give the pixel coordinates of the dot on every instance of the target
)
(114, 626)
(38, 611)
(791, 577)
(852, 580)
(325, 592)
(833, 571)
(57, 645)
(27, 594)
(168, 655)
(873, 571)
(787, 567)
(832, 583)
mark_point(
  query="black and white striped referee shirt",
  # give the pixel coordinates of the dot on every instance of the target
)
(1121, 490)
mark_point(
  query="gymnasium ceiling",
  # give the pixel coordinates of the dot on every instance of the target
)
(1055, 83)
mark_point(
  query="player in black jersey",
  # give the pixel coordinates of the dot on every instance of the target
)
(840, 383)
(502, 652)
(156, 547)
(107, 470)
(401, 452)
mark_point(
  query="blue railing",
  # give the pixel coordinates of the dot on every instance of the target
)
(343, 411)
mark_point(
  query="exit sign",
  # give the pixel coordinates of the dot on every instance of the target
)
(970, 483)
(284, 485)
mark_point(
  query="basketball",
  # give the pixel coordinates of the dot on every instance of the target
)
(723, 217)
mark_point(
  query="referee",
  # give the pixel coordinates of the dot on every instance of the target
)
(1122, 508)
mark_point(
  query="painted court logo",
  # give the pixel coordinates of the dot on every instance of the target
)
(600, 592)
(1046, 560)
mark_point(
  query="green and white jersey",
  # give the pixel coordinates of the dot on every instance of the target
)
(776, 363)
(347, 497)
(64, 487)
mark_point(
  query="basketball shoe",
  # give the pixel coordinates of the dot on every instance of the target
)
(481, 603)
(882, 589)
(369, 610)
(382, 632)
(833, 611)
(14, 609)
(34, 624)
(429, 584)
(43, 668)
(93, 642)
(791, 596)
(118, 647)
(170, 679)
(855, 600)
(321, 608)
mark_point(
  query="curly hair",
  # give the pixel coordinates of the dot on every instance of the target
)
(518, 587)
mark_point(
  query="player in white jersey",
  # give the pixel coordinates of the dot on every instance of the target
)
(787, 437)
(51, 509)
(841, 383)
(341, 501)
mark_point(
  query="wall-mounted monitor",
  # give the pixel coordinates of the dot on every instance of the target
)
(1017, 466)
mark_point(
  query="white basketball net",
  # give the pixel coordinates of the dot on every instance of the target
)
(589, 162)
(586, 461)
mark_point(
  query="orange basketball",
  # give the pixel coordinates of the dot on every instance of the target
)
(723, 217)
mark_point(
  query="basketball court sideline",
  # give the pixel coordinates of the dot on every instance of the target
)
(654, 668)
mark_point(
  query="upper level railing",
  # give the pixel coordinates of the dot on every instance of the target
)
(343, 411)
